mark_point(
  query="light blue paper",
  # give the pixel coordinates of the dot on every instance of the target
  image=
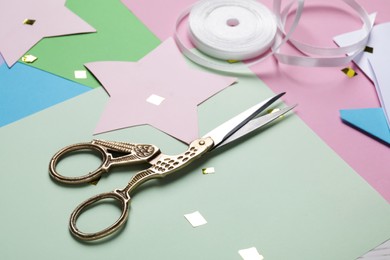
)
(25, 90)
(369, 120)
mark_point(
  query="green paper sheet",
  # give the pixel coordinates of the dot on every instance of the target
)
(283, 191)
(120, 36)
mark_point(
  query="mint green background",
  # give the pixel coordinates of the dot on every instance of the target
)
(120, 36)
(283, 191)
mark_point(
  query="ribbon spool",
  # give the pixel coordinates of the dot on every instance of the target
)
(247, 30)
(232, 30)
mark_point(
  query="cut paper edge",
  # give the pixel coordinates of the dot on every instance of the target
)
(371, 121)
(373, 61)
(164, 90)
(20, 98)
(1, 59)
(381, 82)
(381, 252)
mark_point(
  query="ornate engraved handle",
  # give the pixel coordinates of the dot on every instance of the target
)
(162, 165)
(112, 153)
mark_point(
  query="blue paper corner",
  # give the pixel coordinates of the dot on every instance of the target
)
(371, 121)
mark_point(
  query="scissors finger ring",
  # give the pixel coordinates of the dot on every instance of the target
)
(112, 154)
(162, 165)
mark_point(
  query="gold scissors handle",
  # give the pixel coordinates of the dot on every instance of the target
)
(112, 153)
(162, 165)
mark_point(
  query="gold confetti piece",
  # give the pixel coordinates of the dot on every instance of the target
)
(233, 61)
(208, 170)
(29, 21)
(28, 58)
(95, 182)
(349, 72)
(273, 110)
(80, 74)
(369, 49)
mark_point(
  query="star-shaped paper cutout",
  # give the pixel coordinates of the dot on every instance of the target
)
(25, 22)
(160, 90)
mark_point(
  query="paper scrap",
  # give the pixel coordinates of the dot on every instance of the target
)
(195, 219)
(250, 254)
(163, 71)
(80, 74)
(55, 19)
(155, 99)
(208, 170)
(28, 58)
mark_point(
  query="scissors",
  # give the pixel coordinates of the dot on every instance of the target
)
(160, 164)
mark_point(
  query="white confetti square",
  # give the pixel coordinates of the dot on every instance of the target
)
(250, 254)
(155, 99)
(80, 74)
(195, 219)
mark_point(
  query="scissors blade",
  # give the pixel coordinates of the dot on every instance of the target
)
(225, 130)
(256, 123)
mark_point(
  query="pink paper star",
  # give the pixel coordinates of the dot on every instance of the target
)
(25, 22)
(160, 90)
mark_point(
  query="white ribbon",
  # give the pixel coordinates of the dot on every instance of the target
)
(248, 30)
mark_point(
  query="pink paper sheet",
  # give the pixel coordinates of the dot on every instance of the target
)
(182, 88)
(51, 18)
(320, 92)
